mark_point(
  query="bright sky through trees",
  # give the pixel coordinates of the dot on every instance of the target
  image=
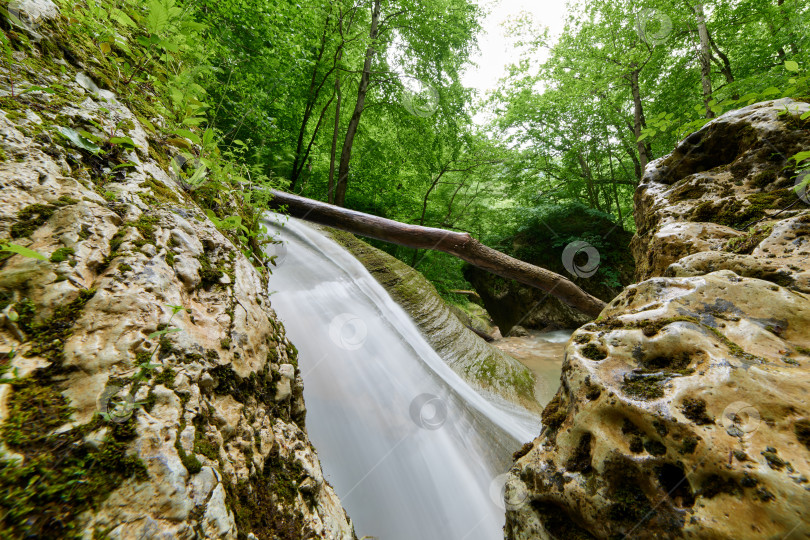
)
(496, 49)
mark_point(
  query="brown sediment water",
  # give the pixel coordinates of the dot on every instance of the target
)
(541, 352)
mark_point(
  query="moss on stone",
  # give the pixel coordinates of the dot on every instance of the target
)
(558, 523)
(687, 192)
(644, 387)
(580, 460)
(695, 410)
(554, 413)
(594, 352)
(34, 216)
(525, 449)
(256, 504)
(716, 484)
(802, 430)
(161, 192)
(746, 244)
(48, 336)
(60, 476)
(61, 254)
(688, 445)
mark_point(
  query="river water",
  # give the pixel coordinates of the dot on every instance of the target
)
(412, 451)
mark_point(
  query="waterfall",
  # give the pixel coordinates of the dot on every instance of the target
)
(412, 451)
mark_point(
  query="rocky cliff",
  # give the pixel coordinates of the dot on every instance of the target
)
(683, 410)
(483, 366)
(149, 390)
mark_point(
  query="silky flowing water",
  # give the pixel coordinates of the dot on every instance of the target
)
(411, 449)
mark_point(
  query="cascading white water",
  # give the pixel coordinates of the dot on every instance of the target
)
(411, 449)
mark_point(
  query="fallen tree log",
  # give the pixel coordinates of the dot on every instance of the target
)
(460, 245)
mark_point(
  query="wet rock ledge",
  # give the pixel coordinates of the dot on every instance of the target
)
(149, 389)
(683, 409)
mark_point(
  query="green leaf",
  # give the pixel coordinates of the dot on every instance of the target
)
(158, 18)
(122, 18)
(123, 141)
(790, 65)
(128, 164)
(153, 335)
(801, 156)
(24, 251)
(770, 91)
(188, 134)
(208, 137)
(74, 137)
(805, 116)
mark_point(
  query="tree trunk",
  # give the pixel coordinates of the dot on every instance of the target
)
(312, 98)
(332, 155)
(460, 245)
(639, 122)
(705, 56)
(354, 122)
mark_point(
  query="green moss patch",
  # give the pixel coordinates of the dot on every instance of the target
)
(644, 387)
(554, 413)
(161, 192)
(60, 476)
(558, 523)
(47, 337)
(744, 245)
(695, 410)
(62, 254)
(594, 352)
(255, 503)
(34, 216)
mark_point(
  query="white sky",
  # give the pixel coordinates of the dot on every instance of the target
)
(496, 50)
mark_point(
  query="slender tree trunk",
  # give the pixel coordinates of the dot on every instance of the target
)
(332, 155)
(613, 181)
(354, 122)
(794, 49)
(639, 122)
(460, 245)
(593, 195)
(705, 57)
(312, 98)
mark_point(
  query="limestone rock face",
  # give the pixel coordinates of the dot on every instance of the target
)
(683, 409)
(729, 188)
(143, 397)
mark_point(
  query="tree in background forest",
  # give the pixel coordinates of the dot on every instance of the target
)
(360, 103)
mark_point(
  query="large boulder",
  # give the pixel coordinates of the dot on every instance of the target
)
(149, 390)
(683, 411)
(542, 241)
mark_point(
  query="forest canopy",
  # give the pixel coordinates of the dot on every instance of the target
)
(361, 103)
